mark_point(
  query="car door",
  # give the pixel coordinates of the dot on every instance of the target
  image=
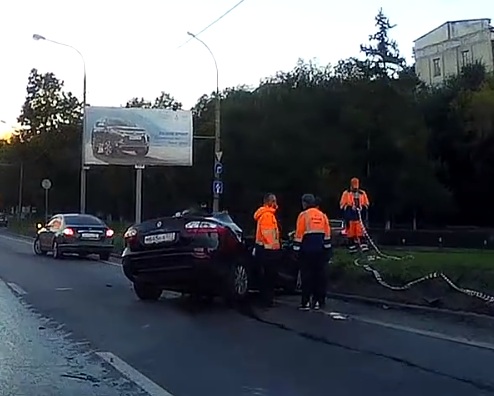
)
(46, 237)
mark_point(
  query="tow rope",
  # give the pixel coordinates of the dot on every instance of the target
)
(379, 255)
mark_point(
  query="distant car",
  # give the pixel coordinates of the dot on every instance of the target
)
(338, 232)
(197, 253)
(114, 135)
(81, 234)
(4, 221)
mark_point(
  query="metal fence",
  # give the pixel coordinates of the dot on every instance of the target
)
(462, 239)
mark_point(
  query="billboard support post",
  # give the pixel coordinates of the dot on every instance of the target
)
(138, 211)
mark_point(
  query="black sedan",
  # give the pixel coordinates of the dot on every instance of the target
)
(81, 234)
(195, 253)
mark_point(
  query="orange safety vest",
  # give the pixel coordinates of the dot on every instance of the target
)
(267, 231)
(350, 199)
(313, 222)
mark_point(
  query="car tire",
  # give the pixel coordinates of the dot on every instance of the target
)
(238, 283)
(38, 251)
(57, 254)
(104, 256)
(147, 292)
(108, 149)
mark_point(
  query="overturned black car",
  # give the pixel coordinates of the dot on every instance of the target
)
(197, 253)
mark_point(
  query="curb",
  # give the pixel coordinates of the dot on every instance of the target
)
(412, 307)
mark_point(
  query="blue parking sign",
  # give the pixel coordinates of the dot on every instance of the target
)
(218, 187)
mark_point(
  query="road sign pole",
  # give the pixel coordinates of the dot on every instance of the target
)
(46, 184)
(138, 209)
(46, 205)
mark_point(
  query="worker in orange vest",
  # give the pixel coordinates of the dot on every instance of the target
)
(268, 246)
(312, 242)
(353, 201)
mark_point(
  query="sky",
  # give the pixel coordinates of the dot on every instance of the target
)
(131, 48)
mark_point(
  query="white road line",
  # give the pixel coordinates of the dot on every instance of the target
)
(426, 333)
(16, 239)
(63, 289)
(16, 288)
(132, 374)
(110, 263)
(8, 238)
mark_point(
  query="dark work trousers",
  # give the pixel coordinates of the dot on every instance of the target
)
(268, 263)
(314, 277)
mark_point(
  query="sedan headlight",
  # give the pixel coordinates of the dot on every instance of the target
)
(130, 233)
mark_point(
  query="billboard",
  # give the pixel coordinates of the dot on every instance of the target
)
(136, 136)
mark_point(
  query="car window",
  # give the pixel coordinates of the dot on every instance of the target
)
(55, 223)
(76, 220)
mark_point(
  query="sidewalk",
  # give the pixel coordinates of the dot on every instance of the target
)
(36, 359)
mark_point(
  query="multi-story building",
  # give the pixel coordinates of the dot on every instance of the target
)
(445, 50)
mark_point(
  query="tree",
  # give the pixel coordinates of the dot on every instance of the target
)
(163, 101)
(382, 51)
(47, 106)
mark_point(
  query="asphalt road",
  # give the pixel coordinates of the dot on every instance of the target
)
(176, 347)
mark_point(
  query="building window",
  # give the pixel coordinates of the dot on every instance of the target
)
(436, 67)
(465, 58)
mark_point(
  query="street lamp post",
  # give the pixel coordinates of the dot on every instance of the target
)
(84, 168)
(217, 185)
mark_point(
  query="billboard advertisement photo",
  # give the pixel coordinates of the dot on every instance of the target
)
(136, 136)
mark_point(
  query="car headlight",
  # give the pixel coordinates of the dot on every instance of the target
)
(130, 233)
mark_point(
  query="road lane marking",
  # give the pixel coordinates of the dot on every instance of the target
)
(407, 329)
(132, 374)
(16, 288)
(64, 289)
(16, 239)
(426, 333)
(29, 242)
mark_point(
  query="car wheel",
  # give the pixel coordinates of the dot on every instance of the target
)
(57, 254)
(37, 248)
(104, 256)
(108, 148)
(142, 152)
(147, 292)
(238, 282)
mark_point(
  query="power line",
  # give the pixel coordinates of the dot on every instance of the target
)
(212, 23)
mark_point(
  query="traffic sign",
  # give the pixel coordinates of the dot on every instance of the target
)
(219, 155)
(218, 168)
(218, 187)
(46, 184)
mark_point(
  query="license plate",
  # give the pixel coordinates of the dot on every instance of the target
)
(135, 137)
(159, 238)
(89, 236)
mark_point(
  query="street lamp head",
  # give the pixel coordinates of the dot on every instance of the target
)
(2, 122)
(191, 34)
(38, 37)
